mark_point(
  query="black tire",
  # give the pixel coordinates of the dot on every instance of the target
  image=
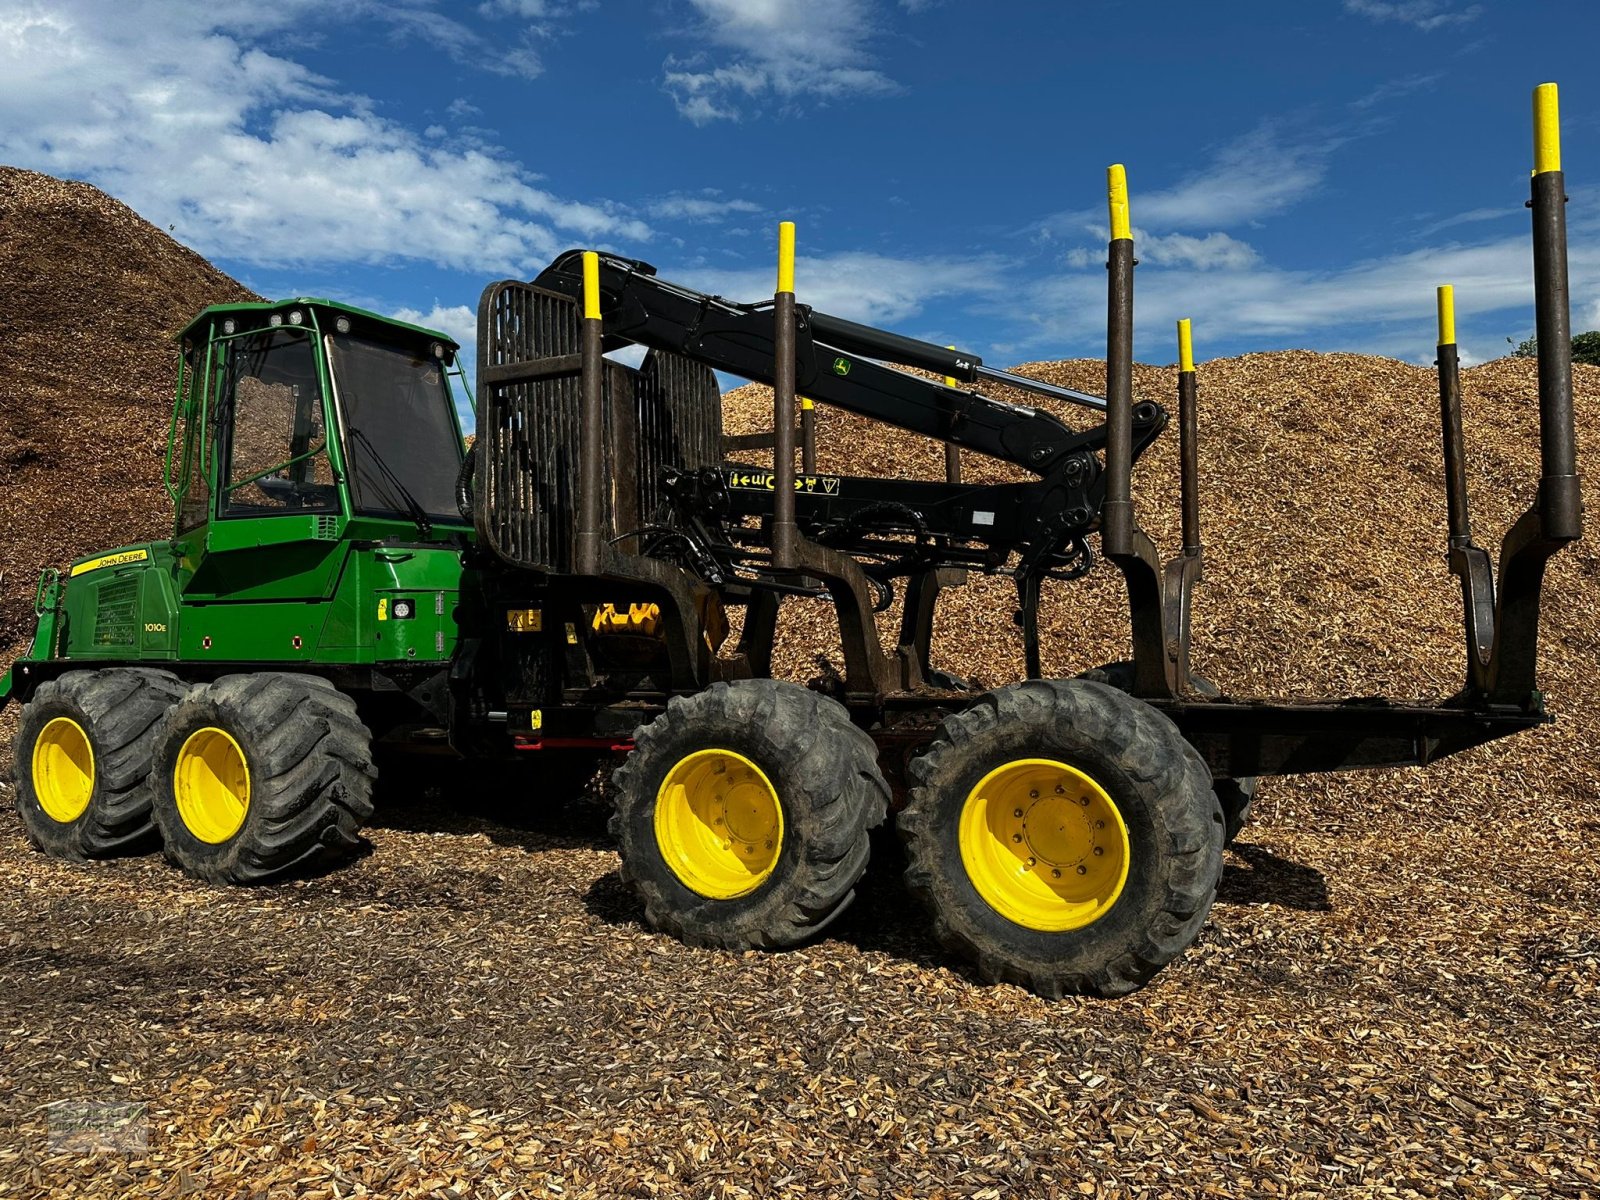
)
(1235, 795)
(1161, 789)
(117, 709)
(311, 776)
(830, 792)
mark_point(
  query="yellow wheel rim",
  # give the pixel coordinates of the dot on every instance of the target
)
(1044, 845)
(211, 783)
(63, 770)
(719, 825)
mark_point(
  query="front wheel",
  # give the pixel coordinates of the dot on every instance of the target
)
(82, 761)
(742, 814)
(1064, 837)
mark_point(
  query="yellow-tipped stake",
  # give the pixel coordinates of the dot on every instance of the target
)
(1185, 346)
(591, 286)
(951, 380)
(786, 256)
(1447, 315)
(1117, 188)
(1546, 129)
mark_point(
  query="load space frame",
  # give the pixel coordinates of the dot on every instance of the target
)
(729, 533)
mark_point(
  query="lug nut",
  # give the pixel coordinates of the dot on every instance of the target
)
(1083, 800)
(1016, 812)
(1082, 870)
(1034, 794)
(1099, 824)
(1060, 791)
(1055, 872)
(1099, 850)
(1016, 837)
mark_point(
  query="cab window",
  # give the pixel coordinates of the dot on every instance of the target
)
(277, 458)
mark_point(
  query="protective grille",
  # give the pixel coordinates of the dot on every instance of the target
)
(115, 616)
(668, 414)
(680, 422)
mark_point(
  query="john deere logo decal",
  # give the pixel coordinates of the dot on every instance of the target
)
(841, 366)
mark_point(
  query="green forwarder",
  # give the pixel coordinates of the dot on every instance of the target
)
(312, 461)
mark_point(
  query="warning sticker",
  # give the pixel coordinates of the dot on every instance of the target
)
(763, 481)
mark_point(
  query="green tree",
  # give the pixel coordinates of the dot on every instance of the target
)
(1585, 348)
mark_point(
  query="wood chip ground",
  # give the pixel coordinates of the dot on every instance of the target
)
(1398, 993)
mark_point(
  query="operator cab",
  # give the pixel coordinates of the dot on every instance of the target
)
(314, 409)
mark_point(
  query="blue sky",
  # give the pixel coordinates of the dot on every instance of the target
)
(1302, 172)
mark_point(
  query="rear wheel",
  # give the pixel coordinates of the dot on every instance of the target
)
(257, 775)
(743, 811)
(1064, 836)
(83, 757)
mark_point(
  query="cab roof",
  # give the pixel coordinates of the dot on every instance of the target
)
(264, 311)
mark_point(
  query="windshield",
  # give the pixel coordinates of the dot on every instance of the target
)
(402, 435)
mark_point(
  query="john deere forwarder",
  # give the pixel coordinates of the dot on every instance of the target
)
(339, 573)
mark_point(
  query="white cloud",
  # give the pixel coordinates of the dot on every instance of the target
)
(528, 10)
(1214, 251)
(1394, 89)
(784, 49)
(1471, 217)
(250, 155)
(1426, 15)
(1257, 175)
(463, 45)
(697, 207)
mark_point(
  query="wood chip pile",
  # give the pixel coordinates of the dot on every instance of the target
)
(1398, 993)
(92, 293)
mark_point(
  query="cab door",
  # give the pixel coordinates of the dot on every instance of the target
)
(268, 559)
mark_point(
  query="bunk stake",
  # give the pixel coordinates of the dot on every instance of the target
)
(1188, 441)
(1184, 570)
(1466, 560)
(1117, 514)
(591, 433)
(1156, 647)
(783, 387)
(1556, 518)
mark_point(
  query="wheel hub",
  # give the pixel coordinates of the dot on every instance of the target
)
(1044, 845)
(718, 823)
(63, 770)
(211, 784)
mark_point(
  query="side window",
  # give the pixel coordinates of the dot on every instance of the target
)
(189, 477)
(277, 460)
